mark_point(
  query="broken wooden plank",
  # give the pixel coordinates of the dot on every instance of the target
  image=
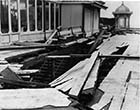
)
(120, 56)
(97, 42)
(23, 84)
(32, 98)
(132, 96)
(10, 77)
(26, 72)
(70, 56)
(7, 73)
(81, 81)
(49, 40)
(9, 53)
(93, 76)
(88, 55)
(31, 47)
(72, 73)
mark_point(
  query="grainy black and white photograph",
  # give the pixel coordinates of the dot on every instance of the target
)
(69, 55)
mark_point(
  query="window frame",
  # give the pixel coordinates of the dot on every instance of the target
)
(10, 32)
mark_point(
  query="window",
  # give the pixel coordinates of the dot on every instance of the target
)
(52, 16)
(46, 14)
(23, 15)
(39, 14)
(32, 15)
(14, 15)
(57, 15)
(28, 15)
(4, 17)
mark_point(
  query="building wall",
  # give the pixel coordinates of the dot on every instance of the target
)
(71, 15)
(91, 20)
(96, 20)
(33, 21)
(88, 20)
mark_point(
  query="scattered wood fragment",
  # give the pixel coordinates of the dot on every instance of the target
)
(32, 98)
(31, 47)
(49, 40)
(10, 77)
(120, 56)
(81, 81)
(97, 42)
(88, 55)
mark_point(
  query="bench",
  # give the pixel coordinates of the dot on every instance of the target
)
(78, 31)
(64, 33)
(75, 31)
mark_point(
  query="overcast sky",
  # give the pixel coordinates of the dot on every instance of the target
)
(134, 6)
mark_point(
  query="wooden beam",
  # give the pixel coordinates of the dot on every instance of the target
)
(81, 81)
(88, 55)
(21, 56)
(25, 84)
(119, 56)
(30, 47)
(69, 56)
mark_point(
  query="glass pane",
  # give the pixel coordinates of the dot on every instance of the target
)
(32, 15)
(14, 15)
(23, 15)
(39, 14)
(57, 15)
(4, 17)
(121, 22)
(52, 16)
(46, 14)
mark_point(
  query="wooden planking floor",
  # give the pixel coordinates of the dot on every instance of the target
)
(113, 85)
(32, 98)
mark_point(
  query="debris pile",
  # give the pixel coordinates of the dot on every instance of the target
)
(96, 77)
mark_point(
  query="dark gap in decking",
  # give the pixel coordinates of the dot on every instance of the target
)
(107, 64)
(93, 95)
(53, 68)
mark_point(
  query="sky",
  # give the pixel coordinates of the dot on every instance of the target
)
(134, 6)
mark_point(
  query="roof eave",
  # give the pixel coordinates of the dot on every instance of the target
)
(99, 4)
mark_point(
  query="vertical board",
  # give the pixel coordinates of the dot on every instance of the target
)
(87, 20)
(96, 20)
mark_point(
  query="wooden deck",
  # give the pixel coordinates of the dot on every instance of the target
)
(120, 87)
(118, 90)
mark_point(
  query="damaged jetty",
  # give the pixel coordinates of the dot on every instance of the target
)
(107, 78)
(77, 66)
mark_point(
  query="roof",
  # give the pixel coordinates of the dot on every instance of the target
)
(99, 4)
(122, 9)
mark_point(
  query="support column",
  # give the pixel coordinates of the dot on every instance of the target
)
(129, 22)
(28, 24)
(49, 16)
(35, 15)
(19, 20)
(9, 15)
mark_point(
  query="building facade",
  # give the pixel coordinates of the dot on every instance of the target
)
(33, 20)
